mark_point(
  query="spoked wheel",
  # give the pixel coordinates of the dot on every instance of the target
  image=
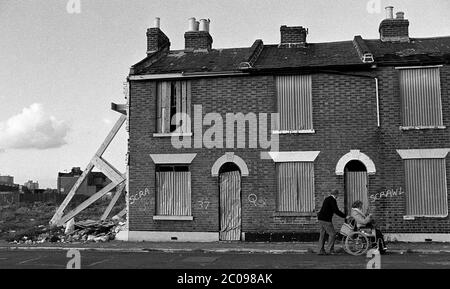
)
(356, 244)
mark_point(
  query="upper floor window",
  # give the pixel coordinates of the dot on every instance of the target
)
(420, 91)
(173, 107)
(294, 99)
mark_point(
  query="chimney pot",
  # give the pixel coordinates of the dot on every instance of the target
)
(204, 25)
(157, 22)
(390, 12)
(193, 25)
(400, 15)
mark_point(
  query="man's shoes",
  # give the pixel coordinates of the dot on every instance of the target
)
(322, 253)
(332, 252)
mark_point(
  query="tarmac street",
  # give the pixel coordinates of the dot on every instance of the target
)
(93, 259)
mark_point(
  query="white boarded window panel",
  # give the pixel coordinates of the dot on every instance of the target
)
(173, 193)
(426, 187)
(296, 187)
(294, 102)
(182, 96)
(420, 91)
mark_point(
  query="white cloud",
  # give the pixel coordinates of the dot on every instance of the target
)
(32, 128)
(107, 121)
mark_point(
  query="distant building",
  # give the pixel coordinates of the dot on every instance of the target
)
(92, 184)
(4, 187)
(6, 180)
(32, 186)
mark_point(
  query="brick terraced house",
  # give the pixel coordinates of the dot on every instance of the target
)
(370, 117)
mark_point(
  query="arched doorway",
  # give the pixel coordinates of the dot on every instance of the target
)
(230, 215)
(356, 184)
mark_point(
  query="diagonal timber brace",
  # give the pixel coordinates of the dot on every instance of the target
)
(108, 210)
(117, 179)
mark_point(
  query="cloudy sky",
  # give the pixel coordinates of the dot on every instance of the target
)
(60, 71)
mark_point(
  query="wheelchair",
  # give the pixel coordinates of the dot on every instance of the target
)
(357, 241)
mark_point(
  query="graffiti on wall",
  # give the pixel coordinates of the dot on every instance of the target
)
(203, 204)
(386, 194)
(257, 202)
(136, 197)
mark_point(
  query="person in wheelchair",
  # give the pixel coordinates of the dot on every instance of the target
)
(367, 221)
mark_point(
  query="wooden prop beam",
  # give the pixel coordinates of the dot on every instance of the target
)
(122, 213)
(95, 161)
(87, 203)
(60, 210)
(108, 210)
(108, 170)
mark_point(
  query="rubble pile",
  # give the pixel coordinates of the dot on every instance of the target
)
(79, 232)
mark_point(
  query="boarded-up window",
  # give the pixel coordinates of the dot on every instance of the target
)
(294, 95)
(295, 187)
(173, 106)
(420, 91)
(426, 187)
(173, 191)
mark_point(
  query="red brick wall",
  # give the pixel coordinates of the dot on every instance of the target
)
(344, 117)
(391, 169)
(394, 29)
(197, 40)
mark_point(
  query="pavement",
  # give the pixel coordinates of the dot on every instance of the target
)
(220, 247)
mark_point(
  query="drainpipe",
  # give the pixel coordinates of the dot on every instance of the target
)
(378, 101)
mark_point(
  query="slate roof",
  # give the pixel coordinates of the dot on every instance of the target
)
(216, 60)
(313, 56)
(417, 51)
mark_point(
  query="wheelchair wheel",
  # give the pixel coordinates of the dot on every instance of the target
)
(356, 244)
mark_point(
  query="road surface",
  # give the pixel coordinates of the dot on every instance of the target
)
(56, 259)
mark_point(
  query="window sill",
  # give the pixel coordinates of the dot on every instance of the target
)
(412, 218)
(172, 134)
(306, 131)
(173, 218)
(294, 214)
(421, 127)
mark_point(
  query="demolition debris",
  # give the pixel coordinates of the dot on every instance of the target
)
(80, 232)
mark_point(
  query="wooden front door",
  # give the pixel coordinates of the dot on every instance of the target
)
(230, 206)
(356, 188)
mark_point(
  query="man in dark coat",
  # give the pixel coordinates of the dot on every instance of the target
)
(325, 217)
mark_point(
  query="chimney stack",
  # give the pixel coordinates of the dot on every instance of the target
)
(394, 30)
(156, 39)
(294, 36)
(197, 37)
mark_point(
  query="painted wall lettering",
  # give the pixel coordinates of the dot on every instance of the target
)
(257, 202)
(136, 197)
(204, 204)
(386, 194)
